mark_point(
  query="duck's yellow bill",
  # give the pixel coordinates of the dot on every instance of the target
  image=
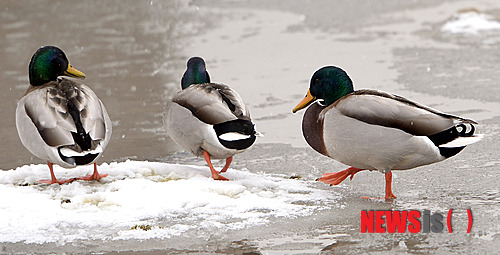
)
(305, 102)
(73, 72)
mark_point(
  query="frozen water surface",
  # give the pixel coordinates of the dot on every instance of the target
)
(158, 199)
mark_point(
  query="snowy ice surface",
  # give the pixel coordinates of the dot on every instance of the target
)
(170, 199)
(470, 23)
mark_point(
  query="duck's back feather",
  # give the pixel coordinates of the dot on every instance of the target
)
(62, 108)
(384, 109)
(213, 103)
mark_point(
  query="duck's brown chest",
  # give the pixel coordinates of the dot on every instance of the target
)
(312, 128)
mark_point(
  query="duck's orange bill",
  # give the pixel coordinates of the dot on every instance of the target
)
(305, 102)
(73, 72)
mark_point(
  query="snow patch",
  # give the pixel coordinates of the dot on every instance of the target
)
(141, 200)
(471, 22)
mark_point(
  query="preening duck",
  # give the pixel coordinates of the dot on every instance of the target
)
(60, 120)
(208, 119)
(375, 130)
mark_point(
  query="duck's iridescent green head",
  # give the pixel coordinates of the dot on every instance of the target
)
(196, 73)
(48, 63)
(327, 84)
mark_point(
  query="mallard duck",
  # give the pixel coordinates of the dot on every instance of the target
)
(208, 119)
(60, 120)
(375, 130)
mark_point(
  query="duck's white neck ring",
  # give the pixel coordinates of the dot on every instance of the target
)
(321, 102)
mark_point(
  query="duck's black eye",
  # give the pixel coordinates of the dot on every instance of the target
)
(60, 63)
(56, 63)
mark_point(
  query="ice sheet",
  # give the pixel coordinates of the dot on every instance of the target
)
(143, 200)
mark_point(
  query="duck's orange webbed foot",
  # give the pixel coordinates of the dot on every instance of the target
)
(58, 181)
(338, 177)
(94, 176)
(53, 178)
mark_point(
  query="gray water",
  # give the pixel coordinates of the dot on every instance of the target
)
(134, 53)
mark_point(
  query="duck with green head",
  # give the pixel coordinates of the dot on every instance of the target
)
(208, 119)
(59, 120)
(375, 130)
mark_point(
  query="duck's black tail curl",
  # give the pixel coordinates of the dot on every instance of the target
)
(236, 134)
(463, 130)
(455, 139)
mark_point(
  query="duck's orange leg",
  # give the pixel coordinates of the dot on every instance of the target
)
(228, 162)
(388, 186)
(53, 177)
(215, 174)
(94, 176)
(338, 177)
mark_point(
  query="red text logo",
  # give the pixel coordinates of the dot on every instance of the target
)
(412, 221)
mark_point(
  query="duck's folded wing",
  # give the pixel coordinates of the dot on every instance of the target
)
(92, 113)
(49, 113)
(50, 110)
(384, 109)
(212, 103)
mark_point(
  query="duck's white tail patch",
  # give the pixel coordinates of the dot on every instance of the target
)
(67, 152)
(463, 141)
(233, 136)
